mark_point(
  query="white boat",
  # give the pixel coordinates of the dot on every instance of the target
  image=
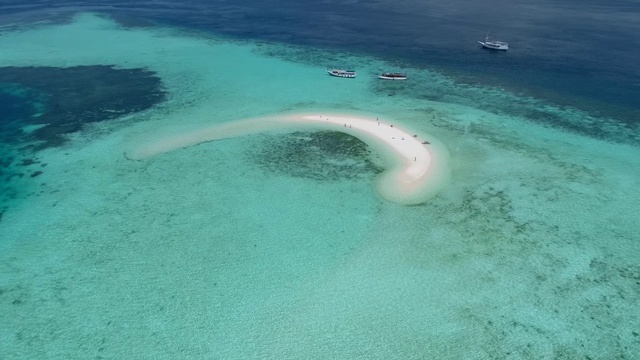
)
(393, 76)
(342, 73)
(493, 44)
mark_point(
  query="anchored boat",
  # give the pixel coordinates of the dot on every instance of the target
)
(393, 76)
(493, 44)
(342, 73)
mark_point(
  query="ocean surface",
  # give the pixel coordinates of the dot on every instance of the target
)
(275, 245)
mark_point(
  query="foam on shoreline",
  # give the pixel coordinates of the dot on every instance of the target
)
(416, 165)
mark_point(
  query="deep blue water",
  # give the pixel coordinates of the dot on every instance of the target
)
(583, 54)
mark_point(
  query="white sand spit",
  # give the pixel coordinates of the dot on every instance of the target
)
(415, 164)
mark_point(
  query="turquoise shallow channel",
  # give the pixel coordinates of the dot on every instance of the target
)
(274, 245)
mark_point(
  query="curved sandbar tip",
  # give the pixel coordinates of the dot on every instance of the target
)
(415, 168)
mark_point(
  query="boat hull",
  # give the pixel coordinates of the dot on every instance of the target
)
(500, 47)
(392, 77)
(342, 73)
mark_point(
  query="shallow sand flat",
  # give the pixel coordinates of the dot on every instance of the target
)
(416, 167)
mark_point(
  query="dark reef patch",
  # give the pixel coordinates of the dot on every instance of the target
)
(322, 155)
(39, 106)
(130, 21)
(27, 162)
(59, 101)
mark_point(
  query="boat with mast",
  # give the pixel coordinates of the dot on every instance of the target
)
(493, 44)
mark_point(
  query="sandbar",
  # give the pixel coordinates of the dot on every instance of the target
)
(415, 164)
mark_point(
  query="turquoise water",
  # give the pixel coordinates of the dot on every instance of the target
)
(229, 249)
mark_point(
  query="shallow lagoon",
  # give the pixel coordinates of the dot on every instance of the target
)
(217, 250)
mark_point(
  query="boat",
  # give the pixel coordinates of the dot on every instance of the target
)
(342, 73)
(493, 44)
(392, 76)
